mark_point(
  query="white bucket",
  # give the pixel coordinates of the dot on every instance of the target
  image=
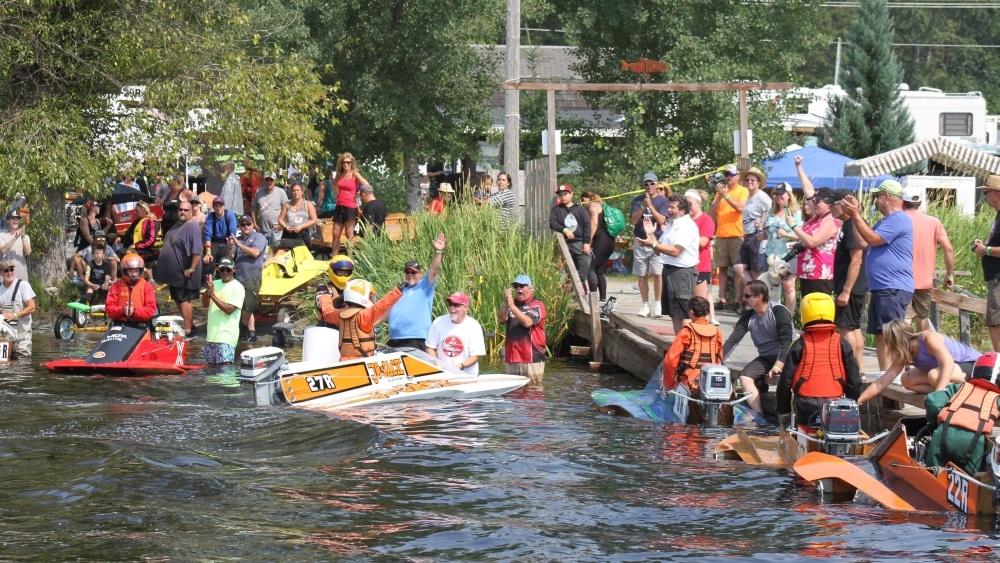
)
(321, 344)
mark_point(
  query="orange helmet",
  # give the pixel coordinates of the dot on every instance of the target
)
(133, 267)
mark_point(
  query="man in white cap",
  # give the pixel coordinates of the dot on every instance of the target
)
(524, 343)
(727, 210)
(573, 221)
(928, 236)
(989, 252)
(457, 338)
(888, 261)
(266, 208)
(644, 263)
(15, 246)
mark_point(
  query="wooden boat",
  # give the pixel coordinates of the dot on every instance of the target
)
(383, 378)
(898, 469)
(133, 351)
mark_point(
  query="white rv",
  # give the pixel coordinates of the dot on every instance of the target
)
(935, 113)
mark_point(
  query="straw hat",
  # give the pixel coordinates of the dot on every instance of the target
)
(446, 188)
(992, 183)
(754, 172)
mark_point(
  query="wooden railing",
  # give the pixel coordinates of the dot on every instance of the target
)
(960, 303)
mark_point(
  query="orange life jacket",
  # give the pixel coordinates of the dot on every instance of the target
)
(354, 342)
(136, 294)
(974, 408)
(701, 352)
(820, 373)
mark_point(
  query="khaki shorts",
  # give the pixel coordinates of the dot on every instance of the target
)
(727, 251)
(644, 261)
(921, 304)
(534, 371)
(993, 302)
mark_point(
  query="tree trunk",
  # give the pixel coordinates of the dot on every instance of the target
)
(48, 240)
(411, 176)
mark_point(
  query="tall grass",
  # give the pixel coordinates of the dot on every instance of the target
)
(480, 259)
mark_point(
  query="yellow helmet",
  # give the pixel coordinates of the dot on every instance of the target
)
(341, 262)
(360, 293)
(817, 307)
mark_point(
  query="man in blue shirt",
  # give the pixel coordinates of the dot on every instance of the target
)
(889, 260)
(249, 250)
(219, 227)
(410, 318)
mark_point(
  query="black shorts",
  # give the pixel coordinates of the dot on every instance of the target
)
(251, 294)
(815, 286)
(850, 315)
(183, 294)
(704, 277)
(750, 255)
(343, 214)
(757, 370)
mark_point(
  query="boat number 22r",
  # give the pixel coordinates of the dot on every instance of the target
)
(958, 491)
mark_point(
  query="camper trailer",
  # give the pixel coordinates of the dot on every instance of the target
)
(960, 116)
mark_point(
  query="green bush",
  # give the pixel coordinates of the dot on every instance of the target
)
(480, 259)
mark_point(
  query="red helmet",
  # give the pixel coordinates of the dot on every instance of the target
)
(987, 371)
(133, 267)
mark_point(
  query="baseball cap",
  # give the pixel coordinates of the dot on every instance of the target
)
(564, 188)
(412, 265)
(269, 176)
(218, 199)
(840, 194)
(226, 262)
(911, 194)
(100, 234)
(246, 220)
(890, 187)
(731, 169)
(458, 298)
(650, 177)
(366, 189)
(825, 194)
(4, 264)
(13, 214)
(522, 280)
(782, 188)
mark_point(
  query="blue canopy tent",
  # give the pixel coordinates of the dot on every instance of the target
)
(825, 169)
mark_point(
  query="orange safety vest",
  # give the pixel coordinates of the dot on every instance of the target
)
(820, 373)
(136, 294)
(701, 352)
(973, 407)
(354, 342)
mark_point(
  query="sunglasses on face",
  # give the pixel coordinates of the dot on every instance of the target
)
(518, 285)
(649, 184)
(8, 270)
(730, 175)
(456, 305)
(411, 272)
(226, 269)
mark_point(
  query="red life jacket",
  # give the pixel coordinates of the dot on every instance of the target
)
(701, 352)
(820, 373)
(136, 293)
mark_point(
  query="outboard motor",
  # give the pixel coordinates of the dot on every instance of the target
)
(716, 386)
(166, 327)
(261, 368)
(841, 424)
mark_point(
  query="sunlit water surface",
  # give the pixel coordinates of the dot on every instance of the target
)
(185, 468)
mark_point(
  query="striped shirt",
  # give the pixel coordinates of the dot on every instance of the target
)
(505, 201)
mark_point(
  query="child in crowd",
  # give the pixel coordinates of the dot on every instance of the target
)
(98, 276)
(698, 343)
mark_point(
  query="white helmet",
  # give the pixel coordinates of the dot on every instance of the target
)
(359, 292)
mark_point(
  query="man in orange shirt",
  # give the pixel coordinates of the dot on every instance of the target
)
(928, 235)
(727, 211)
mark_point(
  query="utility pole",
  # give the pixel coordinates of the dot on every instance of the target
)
(836, 71)
(512, 104)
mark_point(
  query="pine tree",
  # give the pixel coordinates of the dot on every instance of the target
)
(870, 119)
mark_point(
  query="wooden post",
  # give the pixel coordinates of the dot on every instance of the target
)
(595, 330)
(965, 327)
(744, 158)
(512, 102)
(550, 98)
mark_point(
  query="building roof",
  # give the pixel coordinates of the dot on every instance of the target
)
(953, 154)
(543, 63)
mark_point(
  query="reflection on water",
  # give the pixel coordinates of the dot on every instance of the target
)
(184, 467)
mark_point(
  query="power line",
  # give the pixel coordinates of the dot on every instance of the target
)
(962, 4)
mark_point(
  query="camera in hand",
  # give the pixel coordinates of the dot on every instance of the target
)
(799, 248)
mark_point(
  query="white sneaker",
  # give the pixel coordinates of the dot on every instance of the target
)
(714, 321)
(644, 312)
(656, 310)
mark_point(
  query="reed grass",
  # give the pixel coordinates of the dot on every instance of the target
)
(480, 259)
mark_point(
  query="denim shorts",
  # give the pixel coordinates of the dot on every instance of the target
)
(886, 305)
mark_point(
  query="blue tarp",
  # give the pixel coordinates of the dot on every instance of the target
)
(825, 169)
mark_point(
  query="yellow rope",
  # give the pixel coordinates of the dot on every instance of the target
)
(671, 182)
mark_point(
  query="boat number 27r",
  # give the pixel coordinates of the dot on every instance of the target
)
(958, 491)
(320, 382)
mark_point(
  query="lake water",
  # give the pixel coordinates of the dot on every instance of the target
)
(185, 468)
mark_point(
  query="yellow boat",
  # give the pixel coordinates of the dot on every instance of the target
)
(283, 274)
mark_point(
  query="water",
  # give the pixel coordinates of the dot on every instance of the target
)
(185, 468)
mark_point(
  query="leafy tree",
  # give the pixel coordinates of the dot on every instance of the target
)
(702, 41)
(209, 77)
(870, 118)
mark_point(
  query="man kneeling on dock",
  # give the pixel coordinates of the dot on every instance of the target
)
(770, 327)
